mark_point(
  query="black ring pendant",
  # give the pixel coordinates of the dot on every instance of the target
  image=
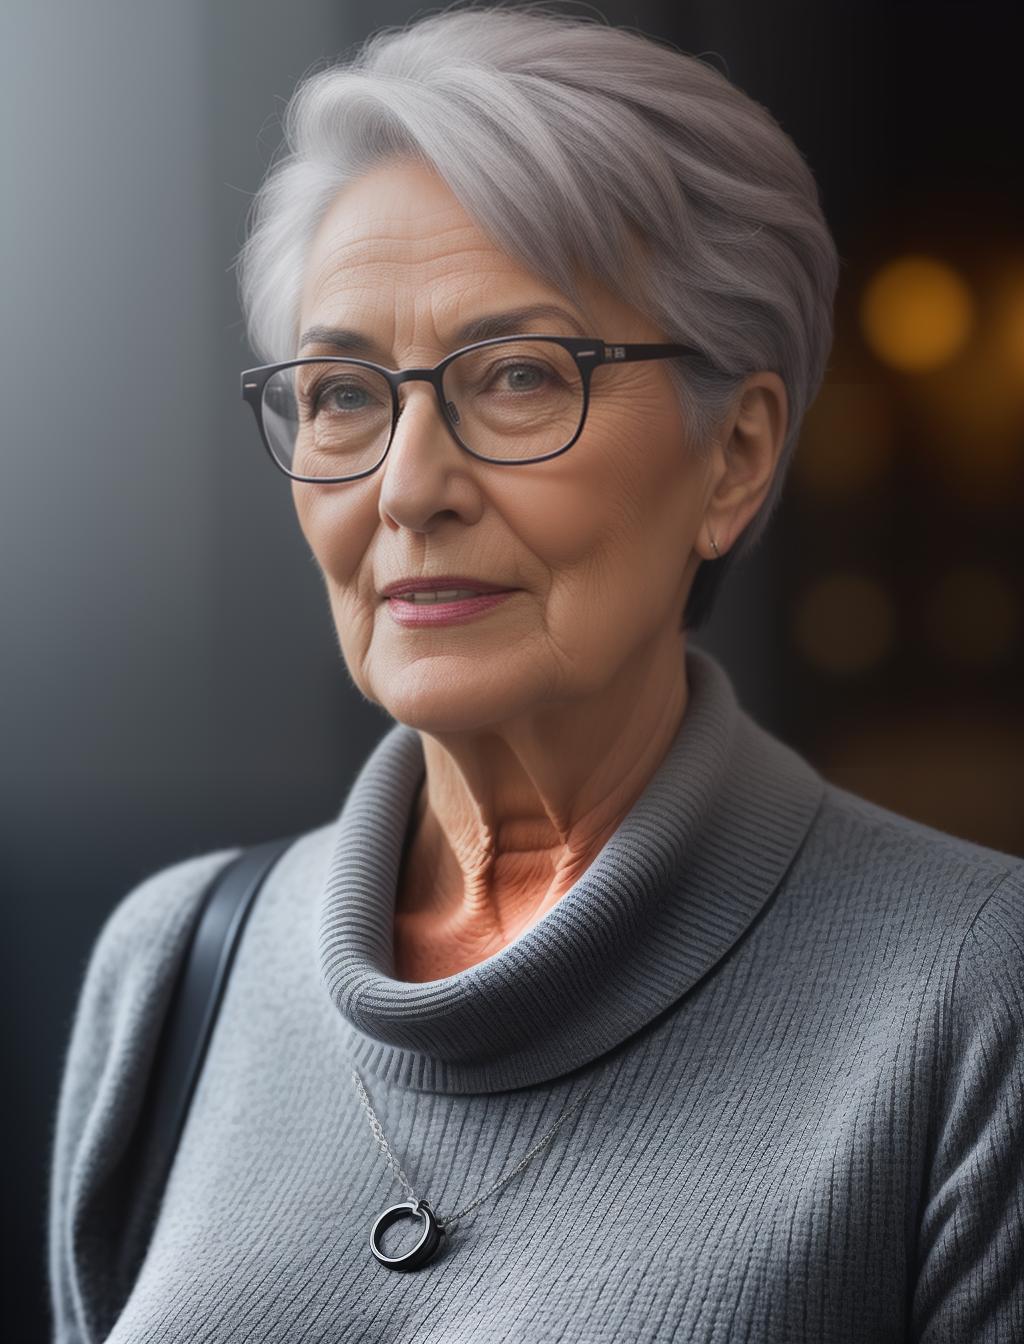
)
(424, 1248)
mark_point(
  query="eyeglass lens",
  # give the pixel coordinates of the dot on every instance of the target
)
(510, 402)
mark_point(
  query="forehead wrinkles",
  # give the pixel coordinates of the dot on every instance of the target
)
(393, 281)
(379, 265)
(397, 216)
(437, 239)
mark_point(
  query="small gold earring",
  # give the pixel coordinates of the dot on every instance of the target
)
(714, 547)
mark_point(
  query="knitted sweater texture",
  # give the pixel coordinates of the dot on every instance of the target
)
(802, 1016)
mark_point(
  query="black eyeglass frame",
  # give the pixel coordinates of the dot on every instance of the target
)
(588, 352)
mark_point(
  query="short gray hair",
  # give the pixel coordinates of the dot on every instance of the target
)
(575, 143)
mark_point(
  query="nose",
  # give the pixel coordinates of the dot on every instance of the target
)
(425, 473)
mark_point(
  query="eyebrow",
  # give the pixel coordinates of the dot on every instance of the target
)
(513, 322)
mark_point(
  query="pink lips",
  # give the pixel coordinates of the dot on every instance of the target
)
(444, 613)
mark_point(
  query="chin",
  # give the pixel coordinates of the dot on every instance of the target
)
(434, 701)
(441, 715)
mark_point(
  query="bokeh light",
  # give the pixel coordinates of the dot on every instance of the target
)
(843, 623)
(1008, 322)
(916, 313)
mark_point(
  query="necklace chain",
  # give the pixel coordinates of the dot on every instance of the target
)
(450, 1221)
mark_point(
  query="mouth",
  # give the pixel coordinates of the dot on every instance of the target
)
(428, 596)
(444, 606)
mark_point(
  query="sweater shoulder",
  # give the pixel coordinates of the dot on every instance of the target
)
(849, 812)
(146, 922)
(134, 955)
(860, 846)
(121, 999)
(156, 905)
(989, 975)
(121, 1005)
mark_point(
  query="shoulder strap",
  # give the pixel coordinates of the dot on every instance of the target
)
(182, 1044)
(184, 1036)
(199, 990)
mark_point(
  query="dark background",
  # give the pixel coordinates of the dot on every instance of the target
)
(171, 681)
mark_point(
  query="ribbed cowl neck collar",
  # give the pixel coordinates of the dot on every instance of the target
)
(694, 860)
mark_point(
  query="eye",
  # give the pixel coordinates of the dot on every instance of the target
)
(519, 376)
(523, 377)
(341, 396)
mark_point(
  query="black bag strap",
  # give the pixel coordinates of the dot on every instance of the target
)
(183, 1041)
(196, 999)
(199, 990)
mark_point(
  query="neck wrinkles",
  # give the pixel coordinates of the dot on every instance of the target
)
(482, 867)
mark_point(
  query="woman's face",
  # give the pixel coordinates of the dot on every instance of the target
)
(598, 542)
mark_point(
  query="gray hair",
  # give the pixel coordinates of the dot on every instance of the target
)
(574, 143)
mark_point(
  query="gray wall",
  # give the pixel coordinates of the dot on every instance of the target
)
(168, 680)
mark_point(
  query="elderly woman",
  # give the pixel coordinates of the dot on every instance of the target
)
(661, 1035)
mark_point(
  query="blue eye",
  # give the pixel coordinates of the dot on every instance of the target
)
(346, 391)
(522, 377)
(528, 369)
(342, 395)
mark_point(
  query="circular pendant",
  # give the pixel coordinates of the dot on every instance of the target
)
(424, 1248)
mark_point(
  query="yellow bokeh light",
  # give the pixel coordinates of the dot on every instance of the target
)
(916, 314)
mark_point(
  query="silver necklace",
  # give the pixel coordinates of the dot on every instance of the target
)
(435, 1227)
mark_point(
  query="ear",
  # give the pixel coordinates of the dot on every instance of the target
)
(745, 458)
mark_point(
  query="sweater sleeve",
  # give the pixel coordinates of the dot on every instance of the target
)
(970, 1283)
(120, 1009)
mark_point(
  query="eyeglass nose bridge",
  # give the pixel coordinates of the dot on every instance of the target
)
(449, 411)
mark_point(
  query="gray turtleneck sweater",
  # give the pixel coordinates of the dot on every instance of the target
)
(802, 1017)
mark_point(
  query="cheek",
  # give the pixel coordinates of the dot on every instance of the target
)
(628, 492)
(332, 523)
(339, 530)
(657, 492)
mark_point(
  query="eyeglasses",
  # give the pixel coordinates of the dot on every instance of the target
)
(508, 400)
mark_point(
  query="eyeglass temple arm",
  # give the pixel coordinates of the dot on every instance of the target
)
(619, 354)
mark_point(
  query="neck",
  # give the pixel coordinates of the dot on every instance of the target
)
(508, 818)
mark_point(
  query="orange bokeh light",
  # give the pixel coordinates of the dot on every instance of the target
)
(917, 313)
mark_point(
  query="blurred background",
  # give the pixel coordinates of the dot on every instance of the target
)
(171, 681)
